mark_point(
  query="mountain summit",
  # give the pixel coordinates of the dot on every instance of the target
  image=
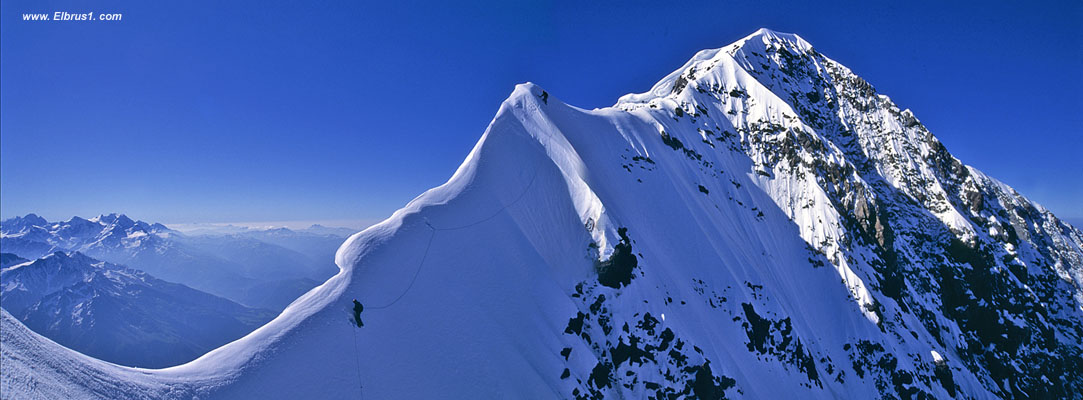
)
(762, 223)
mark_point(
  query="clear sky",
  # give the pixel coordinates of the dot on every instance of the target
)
(210, 111)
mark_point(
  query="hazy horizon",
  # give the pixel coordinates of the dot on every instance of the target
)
(186, 226)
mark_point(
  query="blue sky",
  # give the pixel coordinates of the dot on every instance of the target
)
(207, 111)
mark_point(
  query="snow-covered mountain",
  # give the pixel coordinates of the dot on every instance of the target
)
(761, 224)
(119, 314)
(33, 237)
(264, 270)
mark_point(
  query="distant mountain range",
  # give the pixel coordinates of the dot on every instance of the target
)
(263, 269)
(230, 229)
(119, 314)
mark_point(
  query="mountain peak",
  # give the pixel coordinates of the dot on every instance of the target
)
(764, 36)
(717, 66)
(113, 218)
(57, 258)
(528, 90)
(37, 220)
(27, 218)
(72, 255)
(18, 224)
(77, 220)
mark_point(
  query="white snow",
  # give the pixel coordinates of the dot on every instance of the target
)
(937, 358)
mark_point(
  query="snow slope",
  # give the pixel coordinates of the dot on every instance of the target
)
(761, 224)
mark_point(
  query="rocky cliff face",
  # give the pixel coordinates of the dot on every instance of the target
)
(937, 246)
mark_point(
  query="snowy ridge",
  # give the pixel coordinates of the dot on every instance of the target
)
(761, 224)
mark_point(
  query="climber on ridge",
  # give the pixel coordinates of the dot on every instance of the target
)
(357, 308)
